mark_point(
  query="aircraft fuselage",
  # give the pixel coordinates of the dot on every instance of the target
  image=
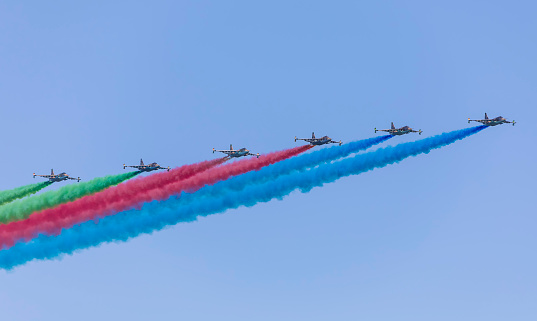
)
(399, 132)
(239, 153)
(58, 178)
(148, 169)
(494, 122)
(321, 141)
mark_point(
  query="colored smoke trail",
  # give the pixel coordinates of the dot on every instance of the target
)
(20, 210)
(131, 195)
(20, 192)
(297, 163)
(159, 179)
(157, 215)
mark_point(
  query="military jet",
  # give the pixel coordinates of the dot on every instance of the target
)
(236, 153)
(492, 122)
(398, 131)
(57, 178)
(318, 141)
(146, 168)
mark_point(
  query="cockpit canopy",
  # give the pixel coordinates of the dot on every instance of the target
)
(153, 165)
(326, 138)
(406, 128)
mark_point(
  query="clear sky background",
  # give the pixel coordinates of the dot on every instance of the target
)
(86, 87)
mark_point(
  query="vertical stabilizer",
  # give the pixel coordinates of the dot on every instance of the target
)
(313, 135)
(141, 162)
(393, 127)
(230, 146)
(486, 117)
(52, 172)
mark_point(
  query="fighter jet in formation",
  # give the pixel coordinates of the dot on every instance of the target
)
(236, 153)
(492, 122)
(146, 168)
(57, 178)
(318, 141)
(398, 131)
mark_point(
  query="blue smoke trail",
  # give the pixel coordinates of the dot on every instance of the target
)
(157, 215)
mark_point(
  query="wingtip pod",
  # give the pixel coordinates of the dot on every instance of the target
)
(420, 132)
(78, 180)
(295, 139)
(124, 166)
(168, 168)
(468, 120)
(375, 130)
(514, 122)
(340, 142)
(213, 150)
(34, 175)
(257, 155)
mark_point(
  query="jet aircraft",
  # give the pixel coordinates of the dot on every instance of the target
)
(146, 168)
(398, 131)
(318, 141)
(236, 153)
(492, 122)
(57, 178)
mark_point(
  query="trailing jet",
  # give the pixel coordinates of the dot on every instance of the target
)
(318, 141)
(492, 122)
(236, 153)
(57, 178)
(146, 168)
(398, 131)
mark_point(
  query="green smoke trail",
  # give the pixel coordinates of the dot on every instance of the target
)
(20, 210)
(20, 192)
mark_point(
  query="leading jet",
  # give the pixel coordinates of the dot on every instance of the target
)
(319, 141)
(147, 168)
(58, 178)
(492, 122)
(236, 153)
(398, 131)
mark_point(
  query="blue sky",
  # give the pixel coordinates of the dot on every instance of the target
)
(86, 87)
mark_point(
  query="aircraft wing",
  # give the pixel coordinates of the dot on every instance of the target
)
(223, 151)
(45, 176)
(134, 166)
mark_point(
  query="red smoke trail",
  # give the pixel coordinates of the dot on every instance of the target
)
(162, 178)
(129, 195)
